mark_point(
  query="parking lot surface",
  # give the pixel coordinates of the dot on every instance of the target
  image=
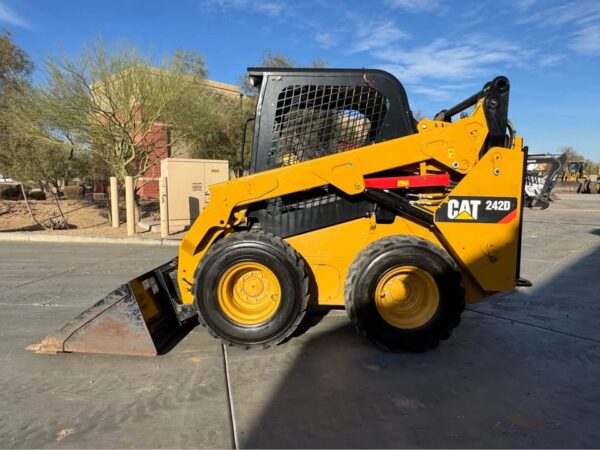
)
(522, 369)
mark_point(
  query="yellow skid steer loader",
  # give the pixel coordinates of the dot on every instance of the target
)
(349, 202)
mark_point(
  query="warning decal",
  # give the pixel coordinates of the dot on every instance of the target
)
(477, 210)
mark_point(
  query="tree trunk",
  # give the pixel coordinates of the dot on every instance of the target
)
(66, 224)
(29, 207)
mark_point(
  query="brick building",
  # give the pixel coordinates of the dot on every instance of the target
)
(159, 136)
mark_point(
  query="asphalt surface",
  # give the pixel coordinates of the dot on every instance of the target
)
(522, 370)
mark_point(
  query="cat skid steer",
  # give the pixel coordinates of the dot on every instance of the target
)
(350, 203)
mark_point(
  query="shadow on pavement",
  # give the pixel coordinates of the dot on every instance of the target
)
(504, 380)
(185, 329)
(314, 315)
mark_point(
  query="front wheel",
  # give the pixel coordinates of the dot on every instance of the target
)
(404, 293)
(251, 289)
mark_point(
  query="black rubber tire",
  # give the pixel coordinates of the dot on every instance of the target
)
(271, 251)
(373, 262)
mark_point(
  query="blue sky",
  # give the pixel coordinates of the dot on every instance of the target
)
(442, 50)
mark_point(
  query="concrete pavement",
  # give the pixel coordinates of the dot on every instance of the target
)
(520, 371)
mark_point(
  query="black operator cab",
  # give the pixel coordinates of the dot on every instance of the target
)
(308, 113)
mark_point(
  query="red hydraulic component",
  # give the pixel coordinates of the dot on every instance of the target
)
(408, 182)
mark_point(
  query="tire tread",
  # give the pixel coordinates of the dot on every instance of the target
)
(388, 243)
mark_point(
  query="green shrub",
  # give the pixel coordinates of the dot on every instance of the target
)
(10, 192)
(37, 195)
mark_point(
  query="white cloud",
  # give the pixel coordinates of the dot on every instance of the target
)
(416, 5)
(358, 34)
(580, 12)
(587, 40)
(443, 60)
(578, 23)
(273, 9)
(550, 59)
(269, 8)
(444, 68)
(443, 92)
(375, 35)
(473, 15)
(525, 4)
(225, 4)
(326, 39)
(9, 16)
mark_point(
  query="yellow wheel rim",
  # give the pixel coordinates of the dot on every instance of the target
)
(249, 293)
(407, 297)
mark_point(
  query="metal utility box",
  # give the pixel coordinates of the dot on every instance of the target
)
(187, 183)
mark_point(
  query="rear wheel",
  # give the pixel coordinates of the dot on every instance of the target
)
(251, 289)
(404, 293)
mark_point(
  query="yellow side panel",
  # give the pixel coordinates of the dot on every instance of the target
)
(330, 251)
(488, 250)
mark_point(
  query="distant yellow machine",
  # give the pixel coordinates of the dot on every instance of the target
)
(350, 202)
(577, 177)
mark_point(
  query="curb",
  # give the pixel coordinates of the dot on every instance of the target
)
(26, 236)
